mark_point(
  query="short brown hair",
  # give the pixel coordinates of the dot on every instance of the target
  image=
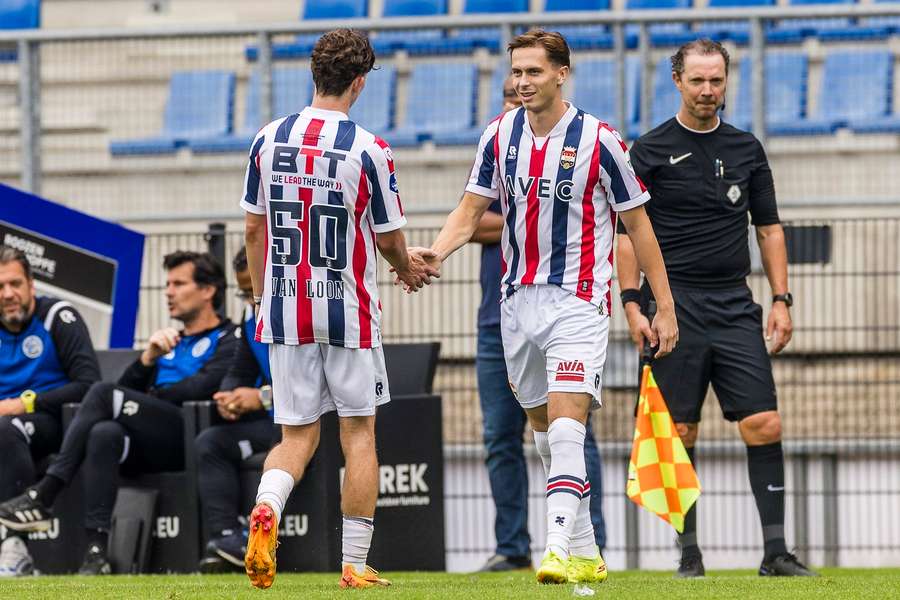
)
(551, 41)
(703, 47)
(339, 57)
(207, 270)
(9, 254)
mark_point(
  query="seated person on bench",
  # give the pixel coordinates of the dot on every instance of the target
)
(245, 404)
(138, 423)
(46, 360)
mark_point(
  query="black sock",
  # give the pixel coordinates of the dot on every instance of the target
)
(97, 537)
(48, 488)
(687, 539)
(766, 467)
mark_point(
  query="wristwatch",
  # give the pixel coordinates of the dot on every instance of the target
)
(787, 298)
(28, 397)
(265, 396)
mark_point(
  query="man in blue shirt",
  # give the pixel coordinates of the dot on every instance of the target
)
(46, 360)
(137, 423)
(503, 417)
(244, 403)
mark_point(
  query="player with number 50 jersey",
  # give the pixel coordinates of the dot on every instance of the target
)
(327, 187)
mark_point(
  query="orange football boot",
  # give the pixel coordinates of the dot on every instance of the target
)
(351, 579)
(260, 558)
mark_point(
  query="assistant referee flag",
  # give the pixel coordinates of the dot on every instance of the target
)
(661, 477)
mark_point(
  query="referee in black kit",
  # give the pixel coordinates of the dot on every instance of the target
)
(704, 176)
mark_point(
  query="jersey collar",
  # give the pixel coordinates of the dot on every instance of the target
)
(325, 115)
(561, 125)
(683, 126)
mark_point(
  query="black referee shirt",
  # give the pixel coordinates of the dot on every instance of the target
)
(702, 185)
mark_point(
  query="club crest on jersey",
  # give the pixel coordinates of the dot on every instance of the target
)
(200, 347)
(32, 346)
(734, 193)
(512, 153)
(567, 157)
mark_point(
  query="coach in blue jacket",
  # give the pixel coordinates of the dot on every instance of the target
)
(137, 423)
(46, 360)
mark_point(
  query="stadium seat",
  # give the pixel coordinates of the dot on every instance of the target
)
(303, 44)
(785, 81)
(595, 90)
(795, 30)
(414, 41)
(734, 31)
(20, 14)
(374, 110)
(440, 105)
(200, 106)
(583, 37)
(291, 91)
(855, 92)
(467, 38)
(661, 34)
(17, 14)
(666, 98)
(495, 101)
(114, 362)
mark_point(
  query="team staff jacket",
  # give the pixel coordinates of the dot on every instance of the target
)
(703, 186)
(250, 366)
(52, 356)
(192, 371)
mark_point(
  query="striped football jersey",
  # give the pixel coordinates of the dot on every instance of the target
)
(326, 186)
(559, 197)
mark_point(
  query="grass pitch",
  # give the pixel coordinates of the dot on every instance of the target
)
(637, 585)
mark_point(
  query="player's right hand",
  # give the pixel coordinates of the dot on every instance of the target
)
(161, 343)
(422, 265)
(665, 331)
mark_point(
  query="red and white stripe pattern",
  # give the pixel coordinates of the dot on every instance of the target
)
(569, 484)
(559, 197)
(327, 187)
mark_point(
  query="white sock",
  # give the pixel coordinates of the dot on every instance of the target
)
(274, 489)
(582, 542)
(565, 484)
(542, 445)
(356, 537)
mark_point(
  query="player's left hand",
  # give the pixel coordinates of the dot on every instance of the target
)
(779, 328)
(422, 265)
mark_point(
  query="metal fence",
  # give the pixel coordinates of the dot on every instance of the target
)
(838, 385)
(71, 96)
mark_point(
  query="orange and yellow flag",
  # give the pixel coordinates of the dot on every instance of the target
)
(661, 477)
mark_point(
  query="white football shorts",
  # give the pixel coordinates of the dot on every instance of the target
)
(310, 380)
(553, 342)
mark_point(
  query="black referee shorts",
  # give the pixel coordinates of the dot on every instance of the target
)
(720, 342)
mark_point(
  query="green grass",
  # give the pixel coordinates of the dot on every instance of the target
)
(637, 585)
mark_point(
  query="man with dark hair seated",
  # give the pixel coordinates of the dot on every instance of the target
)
(47, 359)
(137, 423)
(245, 403)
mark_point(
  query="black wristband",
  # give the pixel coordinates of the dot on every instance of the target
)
(630, 295)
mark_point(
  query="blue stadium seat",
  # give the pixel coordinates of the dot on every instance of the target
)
(374, 110)
(440, 105)
(785, 90)
(335, 9)
(414, 41)
(303, 44)
(17, 14)
(495, 101)
(20, 14)
(291, 91)
(666, 98)
(661, 34)
(735, 31)
(855, 92)
(467, 38)
(200, 105)
(583, 37)
(795, 30)
(596, 91)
